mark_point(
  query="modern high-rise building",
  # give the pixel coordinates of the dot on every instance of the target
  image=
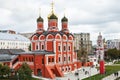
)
(82, 41)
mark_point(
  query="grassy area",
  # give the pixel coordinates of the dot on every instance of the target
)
(16, 79)
(118, 78)
(109, 70)
(117, 62)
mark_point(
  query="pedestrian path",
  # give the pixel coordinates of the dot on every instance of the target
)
(112, 76)
(84, 72)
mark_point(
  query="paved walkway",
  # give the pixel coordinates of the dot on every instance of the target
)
(83, 73)
(111, 77)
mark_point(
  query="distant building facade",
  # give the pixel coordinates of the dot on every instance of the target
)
(82, 40)
(8, 31)
(115, 43)
(13, 41)
(27, 35)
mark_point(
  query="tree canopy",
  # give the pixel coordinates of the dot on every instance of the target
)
(4, 70)
(25, 72)
(113, 54)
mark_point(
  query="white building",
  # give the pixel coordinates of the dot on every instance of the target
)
(115, 43)
(93, 58)
(13, 41)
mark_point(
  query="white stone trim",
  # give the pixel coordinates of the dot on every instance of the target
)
(45, 46)
(55, 59)
(50, 54)
(54, 46)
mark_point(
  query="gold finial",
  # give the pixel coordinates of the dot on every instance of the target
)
(39, 12)
(64, 11)
(52, 5)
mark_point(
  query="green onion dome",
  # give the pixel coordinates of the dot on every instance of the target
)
(52, 16)
(64, 19)
(40, 19)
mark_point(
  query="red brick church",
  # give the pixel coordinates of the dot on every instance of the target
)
(54, 49)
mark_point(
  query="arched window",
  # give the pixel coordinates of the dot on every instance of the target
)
(42, 47)
(36, 47)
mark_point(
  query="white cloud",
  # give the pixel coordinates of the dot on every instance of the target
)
(90, 16)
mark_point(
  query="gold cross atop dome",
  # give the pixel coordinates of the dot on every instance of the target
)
(39, 12)
(52, 10)
(52, 5)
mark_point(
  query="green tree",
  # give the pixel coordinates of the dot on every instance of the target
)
(29, 48)
(119, 54)
(4, 70)
(25, 73)
(113, 53)
(0, 69)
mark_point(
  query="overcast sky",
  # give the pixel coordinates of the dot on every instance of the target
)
(91, 16)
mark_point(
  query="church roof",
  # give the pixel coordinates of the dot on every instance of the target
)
(10, 51)
(53, 33)
(7, 57)
(16, 37)
(41, 52)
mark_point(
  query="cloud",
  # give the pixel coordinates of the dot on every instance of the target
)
(90, 16)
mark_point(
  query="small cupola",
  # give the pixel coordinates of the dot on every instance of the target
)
(39, 19)
(64, 19)
(64, 22)
(52, 16)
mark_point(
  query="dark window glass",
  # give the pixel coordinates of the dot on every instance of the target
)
(64, 48)
(52, 59)
(59, 48)
(59, 59)
(42, 61)
(42, 46)
(48, 59)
